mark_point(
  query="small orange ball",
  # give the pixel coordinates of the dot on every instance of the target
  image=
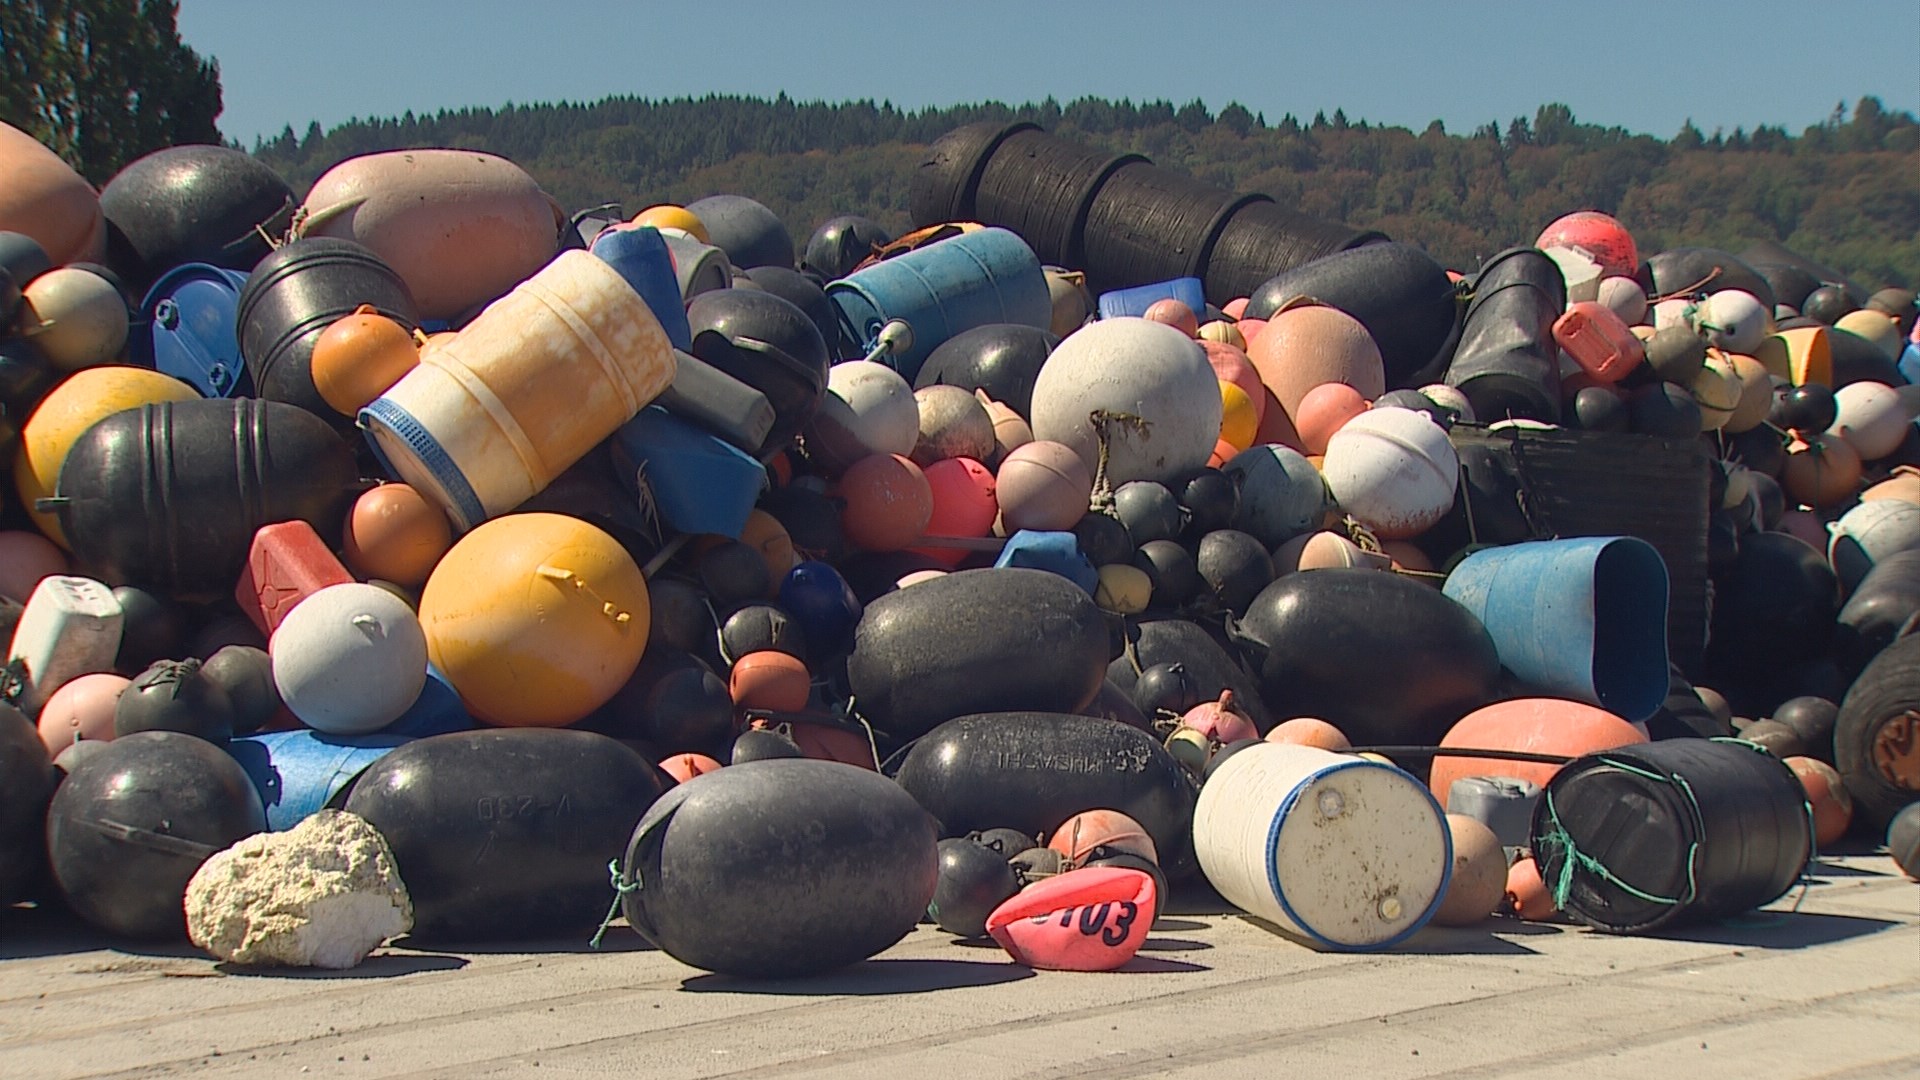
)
(1324, 411)
(359, 358)
(1832, 803)
(1526, 893)
(887, 502)
(1174, 314)
(770, 680)
(395, 534)
(684, 767)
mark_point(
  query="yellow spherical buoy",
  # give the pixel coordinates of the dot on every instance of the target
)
(1239, 423)
(82, 400)
(1224, 333)
(1123, 589)
(1756, 394)
(668, 216)
(1717, 390)
(1878, 327)
(359, 358)
(536, 619)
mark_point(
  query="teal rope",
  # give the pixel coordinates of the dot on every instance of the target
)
(620, 892)
(1573, 860)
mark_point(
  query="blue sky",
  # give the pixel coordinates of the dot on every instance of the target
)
(1646, 66)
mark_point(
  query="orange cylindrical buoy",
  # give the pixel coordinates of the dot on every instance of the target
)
(536, 619)
(395, 534)
(359, 358)
(1533, 725)
(771, 680)
(887, 502)
(1080, 834)
(1310, 731)
(1832, 803)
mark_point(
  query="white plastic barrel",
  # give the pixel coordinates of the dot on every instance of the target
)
(69, 628)
(1346, 852)
(544, 374)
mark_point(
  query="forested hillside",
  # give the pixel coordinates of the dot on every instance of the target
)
(1845, 192)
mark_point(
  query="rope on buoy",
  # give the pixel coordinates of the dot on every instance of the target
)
(1102, 501)
(621, 890)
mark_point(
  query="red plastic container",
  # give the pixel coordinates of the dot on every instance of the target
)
(287, 563)
(1599, 341)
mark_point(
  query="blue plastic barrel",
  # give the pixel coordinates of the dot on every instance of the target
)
(690, 479)
(1910, 362)
(641, 255)
(943, 290)
(1583, 619)
(299, 773)
(1054, 552)
(1136, 301)
(187, 329)
(437, 711)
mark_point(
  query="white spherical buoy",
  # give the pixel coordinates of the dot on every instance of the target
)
(1394, 470)
(1878, 327)
(1871, 417)
(1157, 398)
(1449, 397)
(1625, 298)
(350, 659)
(76, 317)
(1735, 320)
(1675, 313)
(1869, 533)
(874, 404)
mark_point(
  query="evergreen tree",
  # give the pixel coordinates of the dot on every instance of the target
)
(102, 82)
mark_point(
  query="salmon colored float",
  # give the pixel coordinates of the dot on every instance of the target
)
(1091, 919)
(1531, 725)
(43, 198)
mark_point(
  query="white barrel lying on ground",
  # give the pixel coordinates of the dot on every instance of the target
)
(1346, 852)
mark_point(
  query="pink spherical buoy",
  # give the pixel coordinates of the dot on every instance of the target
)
(1045, 486)
(1251, 329)
(1305, 346)
(81, 711)
(887, 502)
(1235, 307)
(1599, 235)
(1174, 314)
(25, 558)
(1230, 364)
(1324, 410)
(963, 505)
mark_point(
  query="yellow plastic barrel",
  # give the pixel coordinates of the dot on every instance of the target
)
(543, 375)
(81, 400)
(536, 619)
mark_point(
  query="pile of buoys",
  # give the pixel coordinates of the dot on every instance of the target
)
(1104, 532)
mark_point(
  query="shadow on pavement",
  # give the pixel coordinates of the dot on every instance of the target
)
(384, 966)
(870, 977)
(1780, 930)
(1430, 941)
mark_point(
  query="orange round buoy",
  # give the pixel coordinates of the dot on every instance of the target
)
(1832, 803)
(684, 767)
(1527, 894)
(963, 505)
(1239, 423)
(764, 534)
(1080, 834)
(25, 558)
(887, 502)
(1533, 725)
(394, 533)
(1250, 329)
(1822, 470)
(1479, 874)
(1323, 411)
(1043, 485)
(1310, 731)
(1303, 347)
(1235, 308)
(1175, 314)
(668, 216)
(770, 680)
(81, 710)
(536, 619)
(359, 358)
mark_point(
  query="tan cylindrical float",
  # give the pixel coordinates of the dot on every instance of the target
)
(488, 419)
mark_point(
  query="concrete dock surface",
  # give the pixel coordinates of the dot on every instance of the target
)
(1824, 983)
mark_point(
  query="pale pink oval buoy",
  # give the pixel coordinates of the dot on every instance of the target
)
(1303, 347)
(1175, 314)
(1235, 307)
(1045, 486)
(81, 710)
